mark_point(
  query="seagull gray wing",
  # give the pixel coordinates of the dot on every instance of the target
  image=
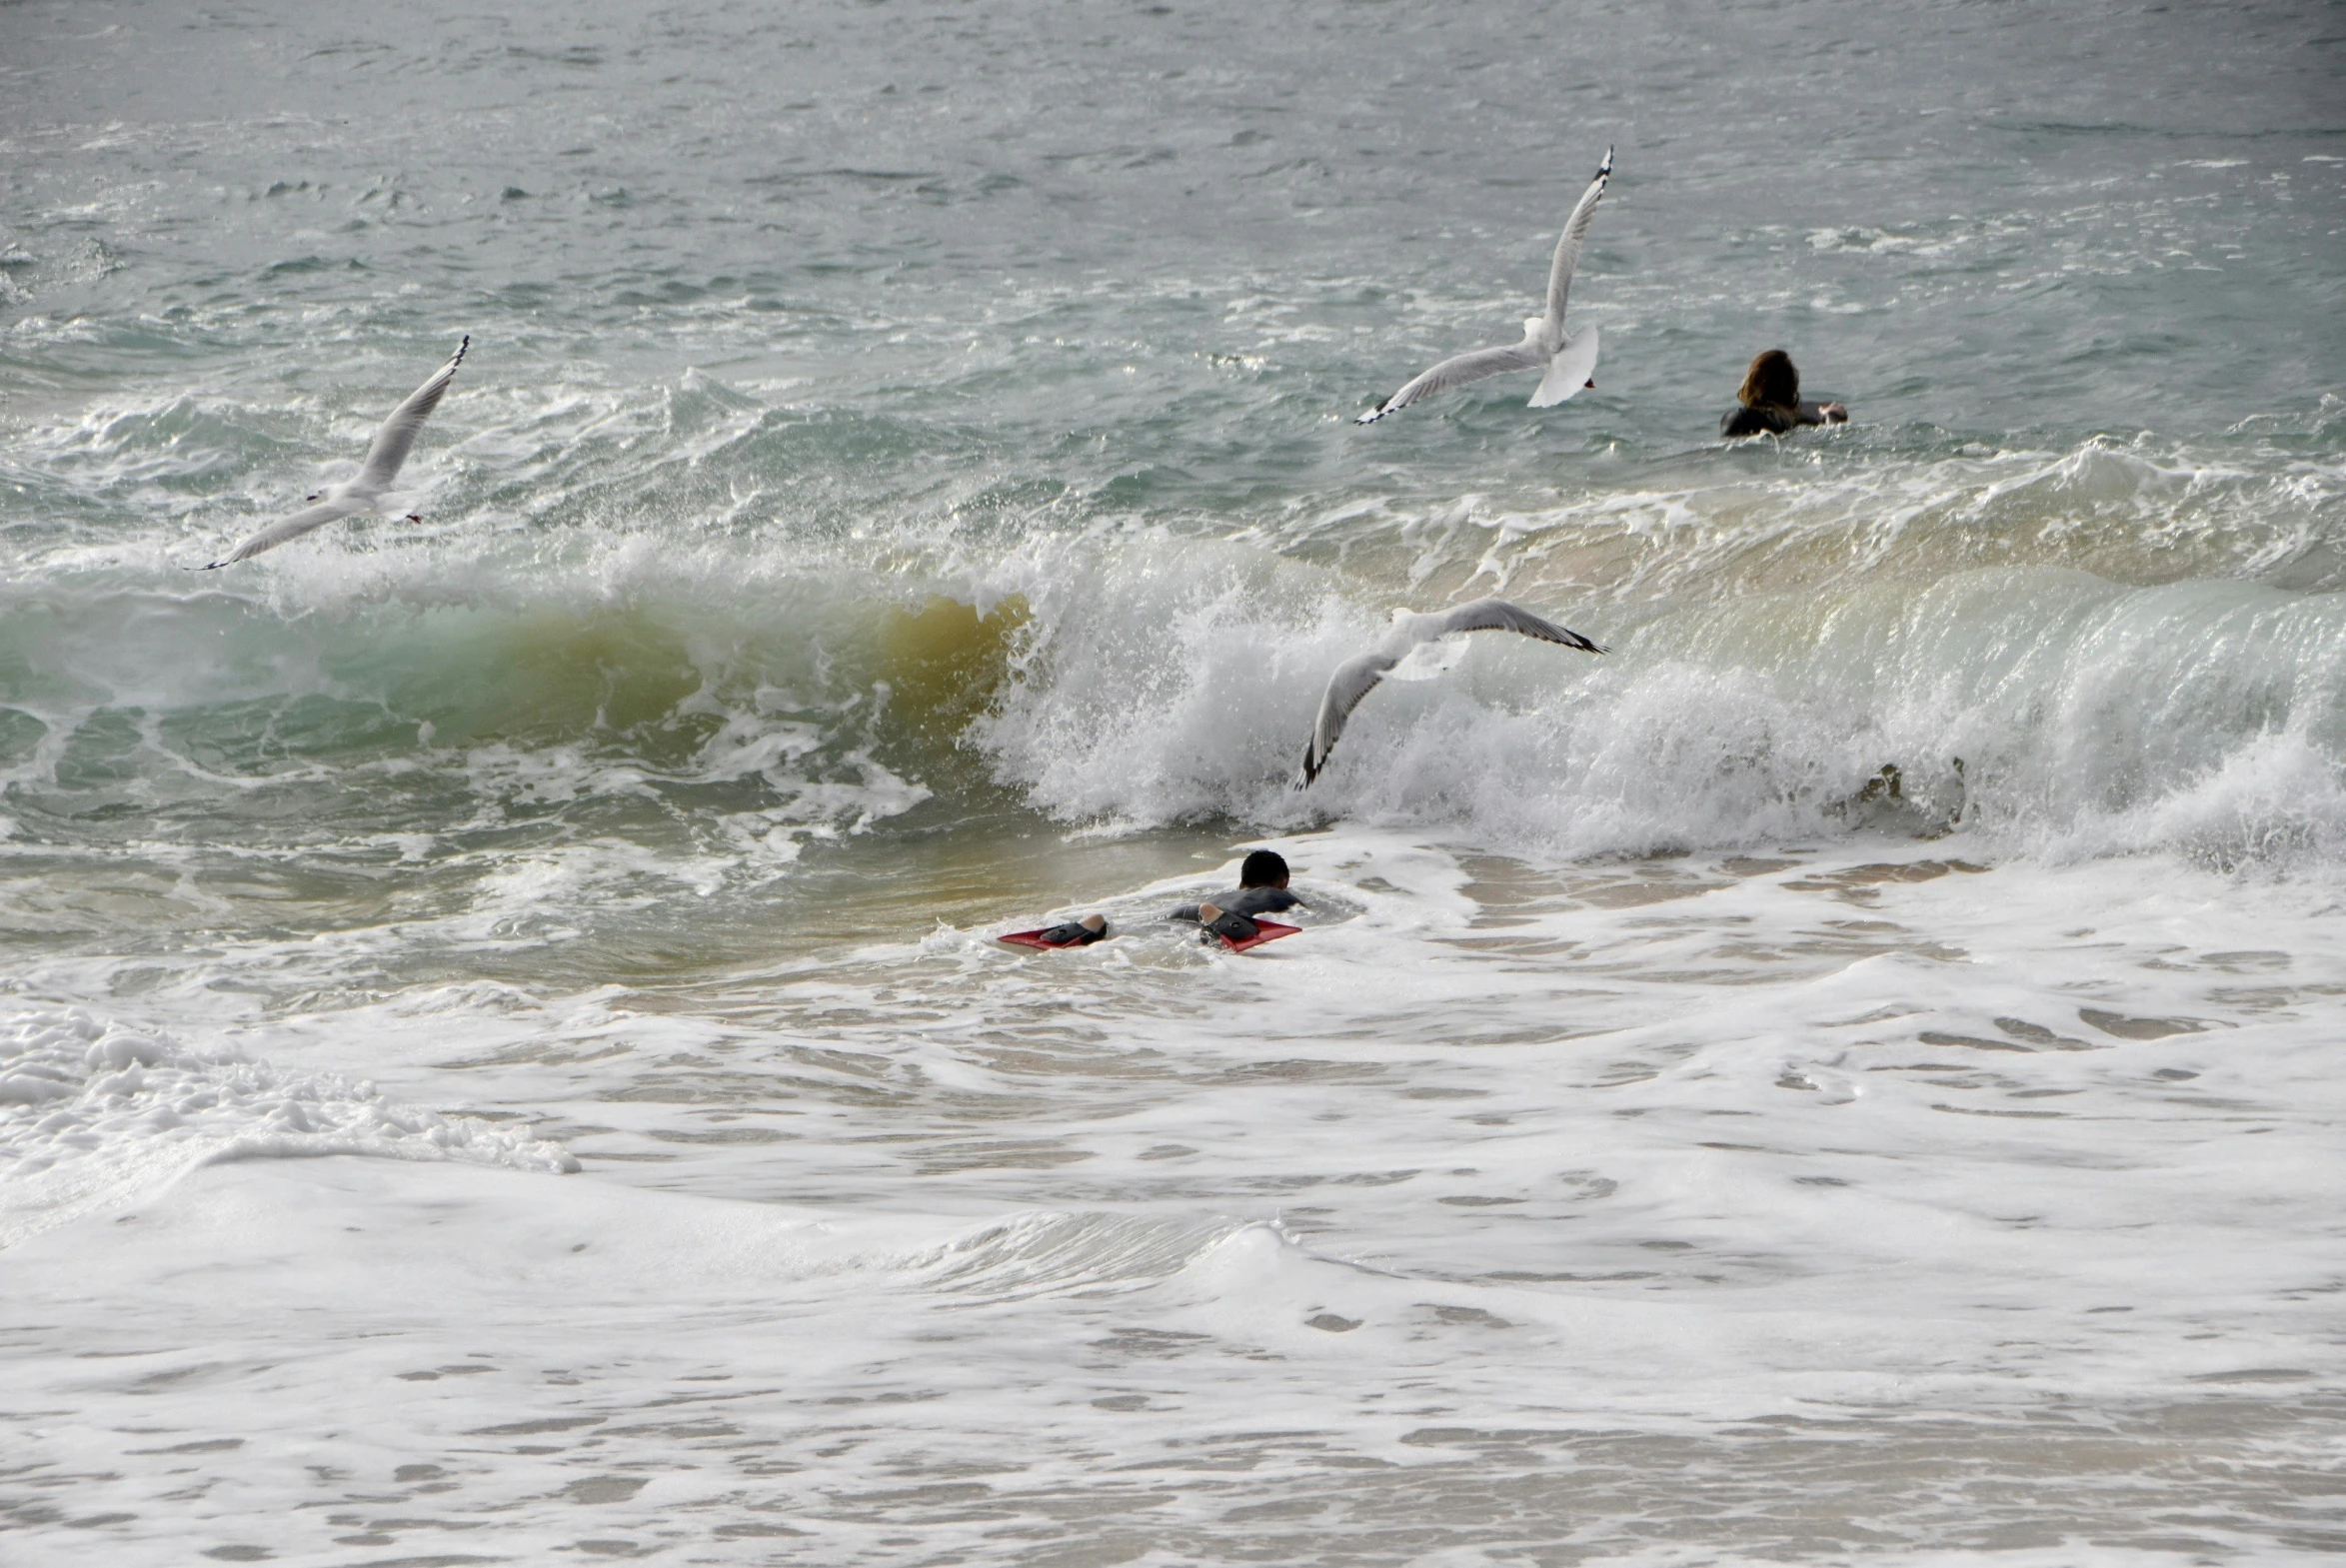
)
(398, 436)
(1456, 371)
(1559, 273)
(294, 526)
(1353, 680)
(1496, 615)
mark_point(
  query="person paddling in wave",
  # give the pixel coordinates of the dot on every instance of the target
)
(1770, 400)
(1262, 889)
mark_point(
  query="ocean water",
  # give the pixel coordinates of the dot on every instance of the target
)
(503, 1056)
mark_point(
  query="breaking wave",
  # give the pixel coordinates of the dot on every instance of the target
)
(631, 619)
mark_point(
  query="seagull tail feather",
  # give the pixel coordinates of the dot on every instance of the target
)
(1567, 370)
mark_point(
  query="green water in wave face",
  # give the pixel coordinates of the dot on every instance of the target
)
(791, 327)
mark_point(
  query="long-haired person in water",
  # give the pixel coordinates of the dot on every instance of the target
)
(1770, 400)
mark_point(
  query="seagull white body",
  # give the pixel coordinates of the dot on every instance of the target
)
(366, 492)
(1564, 361)
(1401, 646)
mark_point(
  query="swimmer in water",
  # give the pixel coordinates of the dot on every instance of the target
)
(1076, 933)
(1262, 889)
(1770, 400)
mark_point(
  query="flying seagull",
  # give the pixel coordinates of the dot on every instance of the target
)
(1356, 678)
(1566, 361)
(365, 492)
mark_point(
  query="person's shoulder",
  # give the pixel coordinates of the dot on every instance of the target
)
(1740, 420)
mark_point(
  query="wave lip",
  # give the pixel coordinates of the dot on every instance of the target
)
(91, 1111)
(1055, 1253)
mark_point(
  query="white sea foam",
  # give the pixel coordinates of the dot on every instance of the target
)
(94, 1112)
(1607, 1191)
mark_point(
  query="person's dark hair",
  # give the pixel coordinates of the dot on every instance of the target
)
(1771, 383)
(1261, 868)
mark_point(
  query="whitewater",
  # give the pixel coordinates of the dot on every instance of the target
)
(503, 1051)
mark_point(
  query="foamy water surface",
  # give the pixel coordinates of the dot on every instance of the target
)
(503, 1054)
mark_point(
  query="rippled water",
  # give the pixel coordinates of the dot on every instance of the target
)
(904, 486)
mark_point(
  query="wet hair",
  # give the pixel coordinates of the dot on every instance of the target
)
(1261, 868)
(1771, 383)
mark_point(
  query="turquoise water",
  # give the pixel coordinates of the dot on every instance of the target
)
(903, 484)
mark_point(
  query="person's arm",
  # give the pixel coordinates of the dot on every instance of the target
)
(1231, 926)
(1076, 933)
(1188, 911)
(1824, 414)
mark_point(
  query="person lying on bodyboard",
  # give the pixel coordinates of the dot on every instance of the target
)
(1232, 916)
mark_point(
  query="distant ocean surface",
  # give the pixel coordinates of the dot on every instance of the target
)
(503, 1051)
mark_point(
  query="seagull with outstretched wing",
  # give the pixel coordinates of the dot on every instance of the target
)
(1356, 678)
(365, 492)
(1564, 361)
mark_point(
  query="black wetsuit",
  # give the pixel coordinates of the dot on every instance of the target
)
(1074, 933)
(1770, 419)
(1239, 906)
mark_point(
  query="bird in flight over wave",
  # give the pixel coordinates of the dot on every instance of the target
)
(365, 492)
(1565, 360)
(1356, 678)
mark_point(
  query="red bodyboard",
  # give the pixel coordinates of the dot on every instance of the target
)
(1034, 939)
(1265, 930)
